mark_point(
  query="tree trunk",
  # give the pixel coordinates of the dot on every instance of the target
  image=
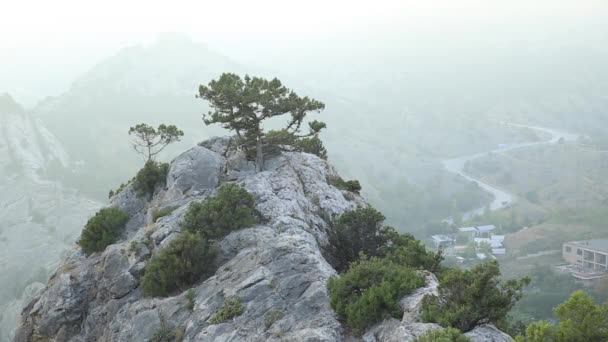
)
(259, 155)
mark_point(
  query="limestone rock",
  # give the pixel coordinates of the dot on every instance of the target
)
(277, 268)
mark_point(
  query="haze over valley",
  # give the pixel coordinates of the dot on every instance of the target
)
(451, 117)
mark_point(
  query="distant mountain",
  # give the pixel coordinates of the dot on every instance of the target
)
(152, 84)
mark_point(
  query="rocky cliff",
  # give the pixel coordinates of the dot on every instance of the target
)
(277, 268)
(40, 218)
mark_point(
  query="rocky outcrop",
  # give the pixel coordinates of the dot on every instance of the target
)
(277, 268)
(40, 218)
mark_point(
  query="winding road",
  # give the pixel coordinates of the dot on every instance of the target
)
(502, 198)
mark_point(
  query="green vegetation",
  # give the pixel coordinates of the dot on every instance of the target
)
(275, 139)
(232, 208)
(312, 145)
(549, 289)
(117, 191)
(242, 105)
(472, 297)
(404, 249)
(149, 141)
(579, 320)
(190, 298)
(190, 256)
(231, 308)
(166, 333)
(442, 335)
(370, 291)
(186, 260)
(363, 231)
(359, 231)
(158, 213)
(351, 185)
(102, 230)
(272, 317)
(152, 175)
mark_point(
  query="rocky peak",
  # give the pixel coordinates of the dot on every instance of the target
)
(277, 267)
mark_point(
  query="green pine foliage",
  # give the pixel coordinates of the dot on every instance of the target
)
(231, 308)
(370, 291)
(313, 145)
(359, 231)
(232, 208)
(153, 174)
(351, 185)
(472, 297)
(442, 335)
(102, 230)
(404, 249)
(363, 231)
(185, 261)
(580, 319)
(158, 213)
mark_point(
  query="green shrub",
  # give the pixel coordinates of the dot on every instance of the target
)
(232, 208)
(404, 249)
(231, 308)
(184, 262)
(151, 175)
(102, 230)
(472, 297)
(351, 185)
(363, 231)
(166, 333)
(580, 319)
(442, 335)
(272, 317)
(359, 231)
(158, 213)
(191, 298)
(312, 145)
(117, 191)
(370, 291)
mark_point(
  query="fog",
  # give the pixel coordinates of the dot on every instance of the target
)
(449, 113)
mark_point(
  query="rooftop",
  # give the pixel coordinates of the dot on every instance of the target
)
(596, 244)
(486, 228)
(441, 237)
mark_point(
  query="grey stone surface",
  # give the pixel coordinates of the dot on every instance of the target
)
(276, 268)
(488, 333)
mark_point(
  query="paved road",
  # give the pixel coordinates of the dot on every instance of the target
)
(502, 198)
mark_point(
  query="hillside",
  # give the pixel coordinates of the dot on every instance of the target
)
(280, 265)
(40, 218)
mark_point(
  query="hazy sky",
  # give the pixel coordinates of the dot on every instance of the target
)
(52, 42)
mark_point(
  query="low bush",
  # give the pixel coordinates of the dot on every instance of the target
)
(102, 230)
(404, 249)
(370, 291)
(153, 174)
(231, 308)
(117, 191)
(232, 208)
(351, 185)
(442, 335)
(472, 297)
(363, 231)
(272, 317)
(158, 213)
(312, 145)
(184, 262)
(167, 333)
(359, 231)
(191, 299)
